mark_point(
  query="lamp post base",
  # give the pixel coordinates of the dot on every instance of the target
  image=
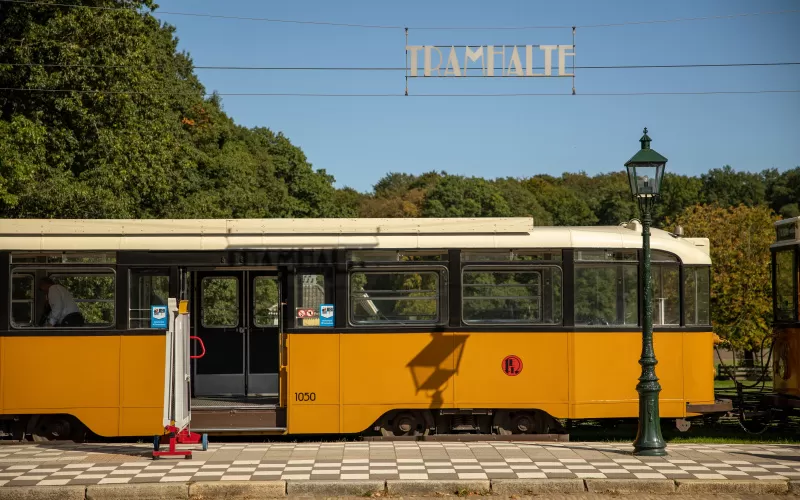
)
(650, 452)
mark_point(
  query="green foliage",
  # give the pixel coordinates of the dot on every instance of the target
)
(456, 196)
(146, 142)
(740, 238)
(566, 207)
(220, 301)
(728, 188)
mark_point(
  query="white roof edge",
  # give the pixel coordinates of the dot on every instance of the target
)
(208, 227)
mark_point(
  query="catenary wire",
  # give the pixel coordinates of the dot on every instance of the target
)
(375, 26)
(333, 68)
(299, 94)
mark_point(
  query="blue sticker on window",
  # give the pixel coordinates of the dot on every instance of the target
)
(158, 317)
(326, 315)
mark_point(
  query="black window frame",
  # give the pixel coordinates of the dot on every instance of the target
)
(441, 268)
(796, 282)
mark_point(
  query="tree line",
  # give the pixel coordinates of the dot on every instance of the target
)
(127, 130)
(571, 199)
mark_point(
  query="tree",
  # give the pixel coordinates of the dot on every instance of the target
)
(564, 206)
(126, 129)
(783, 191)
(741, 287)
(729, 188)
(521, 202)
(456, 196)
(678, 193)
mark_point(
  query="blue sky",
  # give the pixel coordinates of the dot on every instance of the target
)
(358, 140)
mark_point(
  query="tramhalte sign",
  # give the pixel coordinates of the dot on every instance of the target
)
(461, 59)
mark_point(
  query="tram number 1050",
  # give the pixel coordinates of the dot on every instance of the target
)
(305, 396)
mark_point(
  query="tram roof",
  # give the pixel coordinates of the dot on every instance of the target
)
(363, 233)
(787, 232)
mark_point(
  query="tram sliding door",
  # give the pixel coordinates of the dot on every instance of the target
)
(237, 317)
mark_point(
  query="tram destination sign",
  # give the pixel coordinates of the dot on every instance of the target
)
(491, 60)
(787, 231)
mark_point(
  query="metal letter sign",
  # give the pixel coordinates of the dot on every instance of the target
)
(158, 317)
(326, 315)
(492, 60)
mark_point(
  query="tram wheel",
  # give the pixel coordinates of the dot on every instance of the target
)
(405, 423)
(526, 422)
(54, 428)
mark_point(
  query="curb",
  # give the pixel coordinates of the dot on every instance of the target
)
(525, 487)
(414, 487)
(250, 490)
(140, 491)
(243, 490)
(759, 487)
(43, 493)
(335, 488)
(627, 486)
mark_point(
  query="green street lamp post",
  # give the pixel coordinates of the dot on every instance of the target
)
(645, 173)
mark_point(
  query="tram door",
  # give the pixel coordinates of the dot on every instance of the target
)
(237, 316)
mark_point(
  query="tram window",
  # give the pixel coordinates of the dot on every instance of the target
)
(510, 255)
(785, 285)
(22, 300)
(394, 297)
(266, 306)
(148, 288)
(666, 295)
(606, 287)
(396, 256)
(220, 302)
(696, 290)
(93, 294)
(63, 258)
(309, 294)
(511, 296)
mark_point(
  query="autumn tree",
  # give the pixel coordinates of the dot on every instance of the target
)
(741, 287)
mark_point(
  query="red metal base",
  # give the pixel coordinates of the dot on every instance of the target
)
(177, 437)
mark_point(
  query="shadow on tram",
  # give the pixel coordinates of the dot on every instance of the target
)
(436, 364)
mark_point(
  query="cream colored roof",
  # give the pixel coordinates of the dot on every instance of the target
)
(240, 234)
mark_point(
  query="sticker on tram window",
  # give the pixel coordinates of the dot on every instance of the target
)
(305, 312)
(158, 316)
(326, 315)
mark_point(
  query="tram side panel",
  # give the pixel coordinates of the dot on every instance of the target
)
(345, 382)
(313, 390)
(525, 370)
(605, 371)
(107, 382)
(786, 364)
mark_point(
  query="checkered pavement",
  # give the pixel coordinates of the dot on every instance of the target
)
(56, 465)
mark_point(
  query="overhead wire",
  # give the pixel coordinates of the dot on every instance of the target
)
(342, 68)
(378, 26)
(311, 94)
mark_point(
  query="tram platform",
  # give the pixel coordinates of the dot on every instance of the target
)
(338, 468)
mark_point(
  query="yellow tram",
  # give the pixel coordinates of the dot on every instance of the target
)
(786, 329)
(346, 326)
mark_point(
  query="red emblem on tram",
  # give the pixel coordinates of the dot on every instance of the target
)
(512, 366)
